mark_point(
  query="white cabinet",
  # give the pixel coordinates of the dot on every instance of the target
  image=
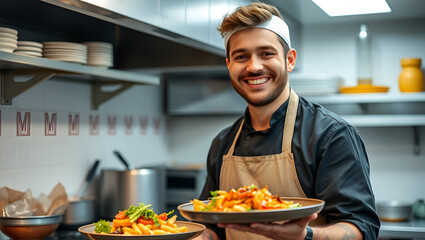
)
(172, 14)
(218, 8)
(197, 19)
(142, 10)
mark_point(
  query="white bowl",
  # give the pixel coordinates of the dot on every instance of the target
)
(8, 30)
(30, 44)
(7, 49)
(8, 35)
(99, 45)
(66, 45)
(28, 53)
(8, 40)
(8, 45)
(27, 48)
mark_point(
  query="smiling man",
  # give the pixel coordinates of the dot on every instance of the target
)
(295, 147)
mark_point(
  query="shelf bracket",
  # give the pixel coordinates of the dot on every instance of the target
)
(11, 89)
(99, 96)
(416, 141)
(364, 107)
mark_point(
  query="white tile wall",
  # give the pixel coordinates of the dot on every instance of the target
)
(39, 162)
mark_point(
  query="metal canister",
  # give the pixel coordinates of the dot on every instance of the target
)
(119, 189)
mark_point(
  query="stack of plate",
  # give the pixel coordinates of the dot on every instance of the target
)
(28, 48)
(8, 39)
(99, 54)
(314, 84)
(65, 51)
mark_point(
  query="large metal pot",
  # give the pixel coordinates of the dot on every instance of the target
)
(80, 212)
(394, 211)
(120, 189)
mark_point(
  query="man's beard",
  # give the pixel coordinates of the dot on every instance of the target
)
(268, 99)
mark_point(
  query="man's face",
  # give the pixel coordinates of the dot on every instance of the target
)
(257, 66)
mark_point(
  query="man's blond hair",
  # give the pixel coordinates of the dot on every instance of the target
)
(250, 16)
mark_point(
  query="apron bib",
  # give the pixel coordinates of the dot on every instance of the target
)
(281, 177)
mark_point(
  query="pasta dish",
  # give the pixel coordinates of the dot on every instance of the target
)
(140, 220)
(244, 199)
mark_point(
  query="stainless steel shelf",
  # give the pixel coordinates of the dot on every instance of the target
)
(10, 61)
(367, 102)
(386, 120)
(369, 98)
(13, 65)
(407, 230)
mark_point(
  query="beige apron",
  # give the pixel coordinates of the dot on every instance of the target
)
(277, 171)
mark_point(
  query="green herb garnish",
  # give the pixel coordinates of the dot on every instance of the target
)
(134, 212)
(214, 193)
(143, 210)
(102, 226)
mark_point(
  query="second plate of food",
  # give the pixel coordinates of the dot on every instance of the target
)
(308, 206)
(193, 230)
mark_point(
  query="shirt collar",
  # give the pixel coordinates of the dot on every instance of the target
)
(277, 116)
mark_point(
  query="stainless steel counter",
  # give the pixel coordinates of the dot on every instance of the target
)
(413, 229)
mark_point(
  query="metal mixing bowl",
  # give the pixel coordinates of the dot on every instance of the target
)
(394, 210)
(29, 227)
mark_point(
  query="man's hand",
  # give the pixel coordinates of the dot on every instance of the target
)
(291, 230)
(208, 234)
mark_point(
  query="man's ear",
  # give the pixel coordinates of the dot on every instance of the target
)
(291, 58)
(227, 63)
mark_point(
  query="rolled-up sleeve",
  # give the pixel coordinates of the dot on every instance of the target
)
(343, 181)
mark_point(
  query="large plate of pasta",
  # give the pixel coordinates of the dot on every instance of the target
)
(249, 204)
(193, 230)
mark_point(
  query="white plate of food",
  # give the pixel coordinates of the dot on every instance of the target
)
(193, 230)
(142, 223)
(249, 204)
(308, 206)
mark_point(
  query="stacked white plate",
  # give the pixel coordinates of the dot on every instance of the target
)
(99, 54)
(314, 84)
(29, 48)
(65, 51)
(8, 39)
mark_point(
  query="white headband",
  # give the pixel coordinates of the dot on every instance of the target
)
(275, 24)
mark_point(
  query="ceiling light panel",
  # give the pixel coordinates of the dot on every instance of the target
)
(336, 8)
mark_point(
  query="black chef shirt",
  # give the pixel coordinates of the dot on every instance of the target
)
(330, 160)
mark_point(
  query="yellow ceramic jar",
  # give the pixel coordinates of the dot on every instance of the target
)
(411, 78)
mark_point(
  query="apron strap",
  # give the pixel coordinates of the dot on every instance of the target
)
(232, 148)
(291, 116)
(288, 130)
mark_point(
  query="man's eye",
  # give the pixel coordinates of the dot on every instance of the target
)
(240, 57)
(268, 54)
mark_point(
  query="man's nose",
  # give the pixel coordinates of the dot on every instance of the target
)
(254, 65)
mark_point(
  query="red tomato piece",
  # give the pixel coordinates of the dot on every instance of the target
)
(121, 215)
(162, 216)
(144, 221)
